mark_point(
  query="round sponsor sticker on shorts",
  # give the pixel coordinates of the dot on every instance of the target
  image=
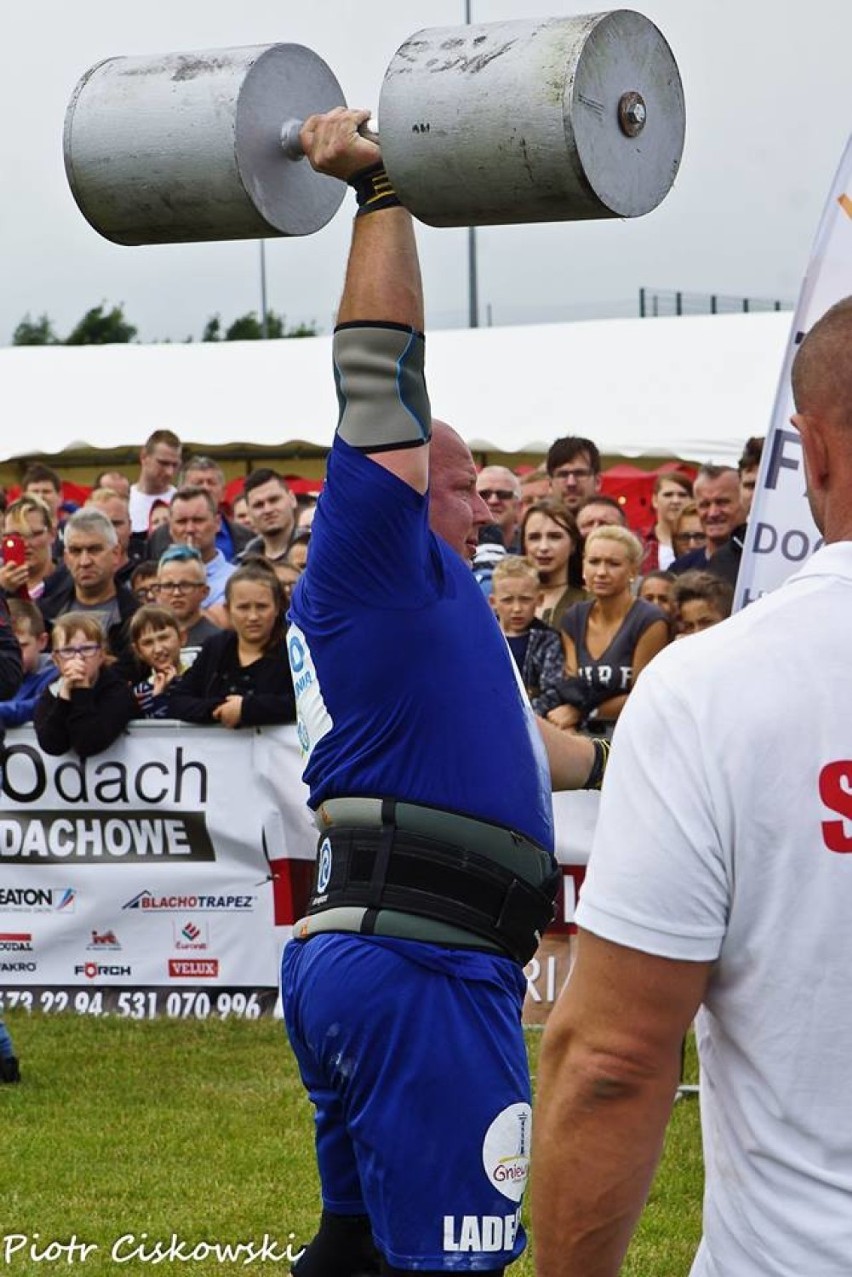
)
(324, 870)
(506, 1150)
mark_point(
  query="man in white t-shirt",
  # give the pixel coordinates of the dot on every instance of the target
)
(718, 879)
(159, 462)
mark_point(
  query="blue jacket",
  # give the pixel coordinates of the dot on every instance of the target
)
(20, 708)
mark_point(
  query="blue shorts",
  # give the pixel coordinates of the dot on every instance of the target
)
(414, 1059)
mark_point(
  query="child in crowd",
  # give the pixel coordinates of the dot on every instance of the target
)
(182, 588)
(701, 600)
(143, 581)
(241, 677)
(537, 649)
(89, 705)
(156, 638)
(39, 669)
(658, 587)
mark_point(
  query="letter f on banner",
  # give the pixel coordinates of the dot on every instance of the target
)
(781, 533)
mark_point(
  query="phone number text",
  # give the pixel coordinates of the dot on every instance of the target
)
(144, 1004)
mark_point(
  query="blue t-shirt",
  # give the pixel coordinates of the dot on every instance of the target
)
(405, 686)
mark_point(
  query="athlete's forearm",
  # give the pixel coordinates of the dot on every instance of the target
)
(570, 757)
(383, 275)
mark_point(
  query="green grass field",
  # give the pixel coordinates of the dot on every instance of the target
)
(141, 1130)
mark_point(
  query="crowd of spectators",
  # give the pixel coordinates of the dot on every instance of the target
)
(586, 601)
(156, 598)
(152, 599)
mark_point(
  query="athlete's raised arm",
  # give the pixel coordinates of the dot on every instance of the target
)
(378, 349)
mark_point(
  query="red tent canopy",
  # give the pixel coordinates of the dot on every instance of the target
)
(633, 488)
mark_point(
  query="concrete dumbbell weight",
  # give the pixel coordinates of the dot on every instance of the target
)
(187, 146)
(558, 119)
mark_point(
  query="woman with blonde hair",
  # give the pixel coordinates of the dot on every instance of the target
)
(609, 638)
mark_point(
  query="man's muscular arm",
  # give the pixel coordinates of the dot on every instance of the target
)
(608, 1072)
(383, 286)
(570, 756)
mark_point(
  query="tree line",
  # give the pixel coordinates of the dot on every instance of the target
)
(101, 326)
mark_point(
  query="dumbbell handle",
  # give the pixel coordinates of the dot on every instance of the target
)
(291, 143)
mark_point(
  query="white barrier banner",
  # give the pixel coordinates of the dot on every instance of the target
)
(149, 868)
(163, 876)
(781, 533)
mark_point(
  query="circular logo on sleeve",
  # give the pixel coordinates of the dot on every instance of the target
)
(324, 870)
(506, 1150)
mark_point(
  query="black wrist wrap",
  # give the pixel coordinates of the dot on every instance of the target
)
(594, 780)
(373, 190)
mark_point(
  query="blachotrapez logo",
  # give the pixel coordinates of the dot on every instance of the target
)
(190, 902)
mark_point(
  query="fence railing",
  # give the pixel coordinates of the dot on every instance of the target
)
(654, 302)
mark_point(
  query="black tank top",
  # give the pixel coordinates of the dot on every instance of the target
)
(611, 674)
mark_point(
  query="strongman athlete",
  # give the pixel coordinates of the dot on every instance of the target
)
(431, 784)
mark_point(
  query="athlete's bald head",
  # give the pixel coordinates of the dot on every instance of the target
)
(456, 510)
(822, 370)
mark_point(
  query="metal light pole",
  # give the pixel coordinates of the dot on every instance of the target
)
(264, 314)
(472, 285)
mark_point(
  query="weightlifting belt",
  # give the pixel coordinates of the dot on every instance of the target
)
(399, 869)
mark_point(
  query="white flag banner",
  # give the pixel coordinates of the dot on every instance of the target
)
(781, 533)
(163, 876)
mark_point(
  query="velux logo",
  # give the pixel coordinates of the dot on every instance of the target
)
(194, 968)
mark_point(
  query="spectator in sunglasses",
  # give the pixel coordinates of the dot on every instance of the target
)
(501, 492)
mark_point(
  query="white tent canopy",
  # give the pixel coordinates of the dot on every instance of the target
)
(694, 388)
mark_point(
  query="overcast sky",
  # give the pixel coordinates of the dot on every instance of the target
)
(767, 87)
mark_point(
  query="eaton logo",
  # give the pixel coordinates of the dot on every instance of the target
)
(37, 899)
